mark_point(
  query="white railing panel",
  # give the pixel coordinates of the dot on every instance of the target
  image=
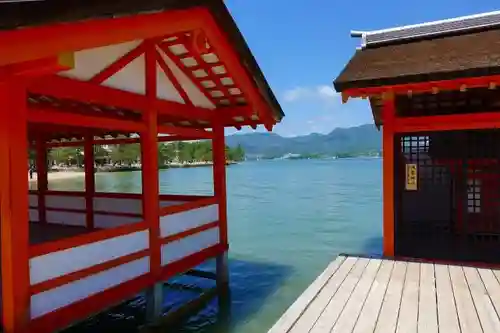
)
(184, 247)
(168, 203)
(112, 221)
(66, 218)
(55, 264)
(67, 294)
(34, 215)
(182, 221)
(118, 205)
(63, 201)
(33, 200)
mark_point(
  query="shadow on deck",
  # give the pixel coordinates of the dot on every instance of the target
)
(251, 283)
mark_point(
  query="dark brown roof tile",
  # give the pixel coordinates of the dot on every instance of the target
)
(468, 55)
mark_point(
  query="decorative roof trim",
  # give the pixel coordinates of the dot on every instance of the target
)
(428, 29)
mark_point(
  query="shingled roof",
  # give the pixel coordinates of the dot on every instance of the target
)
(464, 53)
(36, 13)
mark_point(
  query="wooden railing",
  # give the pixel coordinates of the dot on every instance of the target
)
(68, 276)
(69, 270)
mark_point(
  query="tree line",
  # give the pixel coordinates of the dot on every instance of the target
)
(130, 154)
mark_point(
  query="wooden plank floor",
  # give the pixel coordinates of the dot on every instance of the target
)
(367, 295)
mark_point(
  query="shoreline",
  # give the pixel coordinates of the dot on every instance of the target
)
(57, 175)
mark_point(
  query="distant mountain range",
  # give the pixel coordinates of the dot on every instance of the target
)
(354, 140)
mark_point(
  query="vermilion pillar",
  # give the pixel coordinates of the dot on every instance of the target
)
(41, 177)
(388, 174)
(14, 207)
(88, 155)
(219, 170)
(150, 185)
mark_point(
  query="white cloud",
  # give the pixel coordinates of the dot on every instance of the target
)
(322, 92)
(296, 94)
(327, 92)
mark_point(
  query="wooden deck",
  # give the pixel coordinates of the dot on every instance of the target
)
(361, 295)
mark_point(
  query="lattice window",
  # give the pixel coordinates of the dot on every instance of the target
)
(474, 195)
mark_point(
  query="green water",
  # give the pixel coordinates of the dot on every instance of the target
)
(287, 221)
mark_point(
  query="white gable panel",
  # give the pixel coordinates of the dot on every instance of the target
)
(195, 95)
(90, 62)
(130, 78)
(165, 88)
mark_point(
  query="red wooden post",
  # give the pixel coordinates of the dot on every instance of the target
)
(388, 173)
(219, 171)
(14, 207)
(41, 178)
(150, 184)
(88, 151)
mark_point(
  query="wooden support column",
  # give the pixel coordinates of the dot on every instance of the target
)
(219, 175)
(14, 207)
(41, 178)
(388, 175)
(150, 184)
(88, 155)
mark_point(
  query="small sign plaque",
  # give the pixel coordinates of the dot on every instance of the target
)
(411, 177)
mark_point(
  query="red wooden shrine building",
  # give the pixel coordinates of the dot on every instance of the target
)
(433, 88)
(75, 72)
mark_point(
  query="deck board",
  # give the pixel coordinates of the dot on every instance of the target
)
(467, 315)
(369, 314)
(334, 308)
(427, 304)
(389, 313)
(315, 309)
(349, 316)
(367, 295)
(484, 308)
(446, 307)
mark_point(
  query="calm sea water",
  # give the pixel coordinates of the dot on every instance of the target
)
(287, 221)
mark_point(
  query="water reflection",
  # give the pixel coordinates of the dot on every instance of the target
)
(251, 284)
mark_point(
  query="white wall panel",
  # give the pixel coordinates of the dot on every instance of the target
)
(184, 247)
(33, 215)
(118, 205)
(64, 295)
(168, 203)
(66, 218)
(33, 200)
(112, 221)
(62, 201)
(175, 223)
(55, 264)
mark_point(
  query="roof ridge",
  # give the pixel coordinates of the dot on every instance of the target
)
(429, 30)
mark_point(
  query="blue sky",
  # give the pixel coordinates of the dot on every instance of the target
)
(302, 45)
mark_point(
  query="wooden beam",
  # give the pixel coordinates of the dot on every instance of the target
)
(192, 132)
(88, 151)
(219, 176)
(149, 161)
(66, 88)
(188, 72)
(171, 76)
(50, 116)
(119, 64)
(14, 208)
(120, 141)
(239, 74)
(423, 87)
(470, 121)
(38, 67)
(388, 144)
(42, 177)
(31, 43)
